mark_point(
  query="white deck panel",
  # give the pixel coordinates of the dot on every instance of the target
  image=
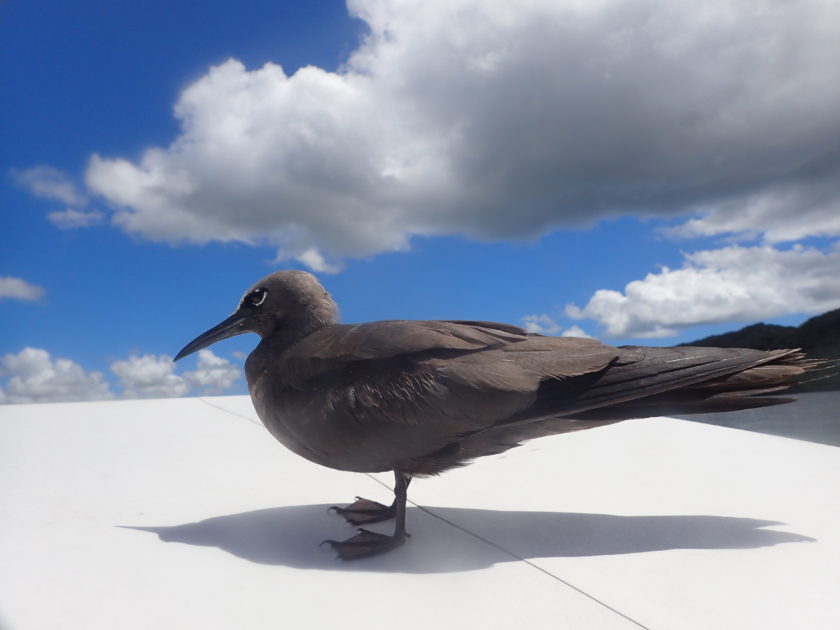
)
(185, 513)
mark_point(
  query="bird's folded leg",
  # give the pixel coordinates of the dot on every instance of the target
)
(367, 543)
(363, 511)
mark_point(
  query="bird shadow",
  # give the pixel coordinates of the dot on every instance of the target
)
(442, 540)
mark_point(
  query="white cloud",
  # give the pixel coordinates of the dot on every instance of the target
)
(545, 325)
(213, 375)
(35, 377)
(542, 324)
(151, 376)
(503, 120)
(575, 331)
(313, 259)
(71, 219)
(784, 213)
(17, 289)
(49, 183)
(734, 283)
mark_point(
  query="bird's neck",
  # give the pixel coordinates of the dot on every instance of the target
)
(266, 361)
(286, 335)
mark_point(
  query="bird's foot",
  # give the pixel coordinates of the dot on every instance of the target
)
(365, 544)
(364, 511)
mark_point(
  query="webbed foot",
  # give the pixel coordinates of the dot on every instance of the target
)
(363, 511)
(365, 544)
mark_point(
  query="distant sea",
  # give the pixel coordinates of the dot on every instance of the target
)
(814, 417)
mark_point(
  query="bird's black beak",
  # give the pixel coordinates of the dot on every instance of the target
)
(234, 325)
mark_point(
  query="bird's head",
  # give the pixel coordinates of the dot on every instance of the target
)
(290, 302)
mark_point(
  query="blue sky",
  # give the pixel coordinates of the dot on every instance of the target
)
(643, 172)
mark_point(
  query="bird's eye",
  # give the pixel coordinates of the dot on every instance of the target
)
(256, 297)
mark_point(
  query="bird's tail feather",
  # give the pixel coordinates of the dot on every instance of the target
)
(647, 381)
(744, 389)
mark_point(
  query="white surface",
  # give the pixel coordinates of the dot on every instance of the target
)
(659, 523)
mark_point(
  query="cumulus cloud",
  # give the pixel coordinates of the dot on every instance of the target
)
(71, 219)
(575, 331)
(504, 120)
(149, 376)
(313, 259)
(49, 183)
(153, 376)
(733, 283)
(213, 374)
(33, 376)
(17, 289)
(542, 324)
(36, 377)
(784, 213)
(546, 325)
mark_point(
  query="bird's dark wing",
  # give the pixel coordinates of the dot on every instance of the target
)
(644, 382)
(386, 339)
(478, 355)
(406, 389)
(424, 396)
(643, 372)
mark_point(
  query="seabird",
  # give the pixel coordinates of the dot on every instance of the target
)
(420, 397)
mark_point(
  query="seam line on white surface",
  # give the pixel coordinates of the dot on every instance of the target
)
(466, 531)
(517, 556)
(233, 413)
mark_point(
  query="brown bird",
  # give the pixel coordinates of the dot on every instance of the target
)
(420, 397)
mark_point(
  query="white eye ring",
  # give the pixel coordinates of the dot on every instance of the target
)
(252, 298)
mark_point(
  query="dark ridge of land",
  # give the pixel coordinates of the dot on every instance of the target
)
(819, 337)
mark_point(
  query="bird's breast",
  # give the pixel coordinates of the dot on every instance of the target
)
(309, 425)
